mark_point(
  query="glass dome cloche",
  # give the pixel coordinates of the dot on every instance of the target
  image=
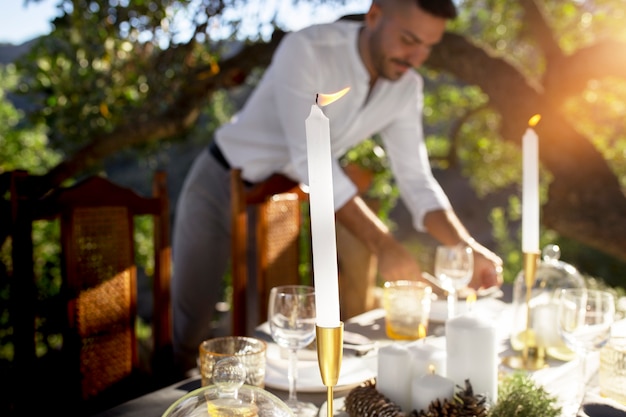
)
(551, 276)
(229, 397)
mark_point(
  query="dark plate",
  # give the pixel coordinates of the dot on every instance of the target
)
(602, 410)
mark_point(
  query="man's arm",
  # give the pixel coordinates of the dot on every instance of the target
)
(394, 260)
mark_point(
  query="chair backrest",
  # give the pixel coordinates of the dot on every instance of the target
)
(277, 206)
(99, 287)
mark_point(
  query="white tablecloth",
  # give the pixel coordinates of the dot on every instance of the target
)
(559, 379)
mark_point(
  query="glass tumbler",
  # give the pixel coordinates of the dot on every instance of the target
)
(248, 350)
(612, 376)
(407, 308)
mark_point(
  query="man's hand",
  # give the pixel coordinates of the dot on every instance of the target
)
(487, 267)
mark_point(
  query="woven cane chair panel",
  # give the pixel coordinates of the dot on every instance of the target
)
(282, 255)
(103, 243)
(104, 307)
(104, 361)
(104, 282)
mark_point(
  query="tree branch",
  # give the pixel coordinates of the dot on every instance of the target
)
(537, 27)
(499, 79)
(177, 118)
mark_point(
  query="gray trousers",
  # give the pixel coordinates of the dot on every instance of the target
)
(201, 253)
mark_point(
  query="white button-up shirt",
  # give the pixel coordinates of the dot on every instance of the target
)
(268, 134)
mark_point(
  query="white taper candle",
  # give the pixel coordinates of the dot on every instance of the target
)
(530, 192)
(322, 211)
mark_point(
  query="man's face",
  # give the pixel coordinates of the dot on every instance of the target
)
(401, 39)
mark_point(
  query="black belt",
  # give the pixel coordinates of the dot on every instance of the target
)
(218, 155)
(216, 152)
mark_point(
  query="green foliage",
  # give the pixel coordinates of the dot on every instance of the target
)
(101, 65)
(25, 146)
(22, 146)
(462, 130)
(371, 156)
(600, 114)
(520, 396)
(506, 246)
(582, 23)
(497, 25)
(144, 244)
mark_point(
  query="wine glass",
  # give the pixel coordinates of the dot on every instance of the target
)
(453, 268)
(585, 317)
(291, 316)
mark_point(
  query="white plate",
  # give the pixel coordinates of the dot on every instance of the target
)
(354, 370)
(338, 410)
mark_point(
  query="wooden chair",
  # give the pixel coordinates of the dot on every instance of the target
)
(99, 358)
(277, 204)
(279, 211)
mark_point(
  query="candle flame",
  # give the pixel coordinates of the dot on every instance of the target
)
(421, 331)
(470, 301)
(532, 122)
(326, 99)
(431, 369)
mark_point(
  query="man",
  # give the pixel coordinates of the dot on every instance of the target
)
(375, 58)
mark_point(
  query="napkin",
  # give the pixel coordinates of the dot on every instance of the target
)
(354, 371)
(353, 343)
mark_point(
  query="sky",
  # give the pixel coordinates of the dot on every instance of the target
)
(19, 23)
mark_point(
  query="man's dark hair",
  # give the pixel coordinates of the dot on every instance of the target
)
(439, 8)
(444, 9)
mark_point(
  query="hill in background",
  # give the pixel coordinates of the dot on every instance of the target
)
(10, 52)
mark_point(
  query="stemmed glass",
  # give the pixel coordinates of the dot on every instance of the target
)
(291, 316)
(454, 266)
(584, 320)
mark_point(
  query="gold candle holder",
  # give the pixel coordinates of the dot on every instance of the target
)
(329, 357)
(533, 357)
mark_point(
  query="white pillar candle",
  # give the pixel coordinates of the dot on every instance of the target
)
(428, 388)
(471, 345)
(322, 209)
(530, 190)
(425, 357)
(394, 374)
(545, 325)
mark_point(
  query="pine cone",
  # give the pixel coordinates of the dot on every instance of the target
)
(464, 404)
(472, 405)
(439, 408)
(366, 401)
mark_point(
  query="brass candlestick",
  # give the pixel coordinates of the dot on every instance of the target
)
(329, 357)
(533, 357)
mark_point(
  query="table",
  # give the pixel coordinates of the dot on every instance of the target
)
(558, 379)
(155, 403)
